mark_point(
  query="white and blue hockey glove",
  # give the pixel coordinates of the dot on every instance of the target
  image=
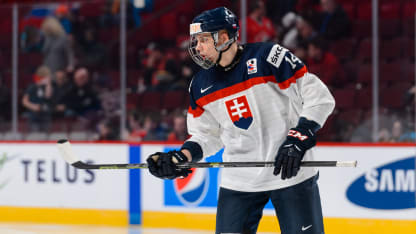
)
(291, 152)
(164, 165)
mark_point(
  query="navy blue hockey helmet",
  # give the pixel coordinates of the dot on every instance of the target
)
(212, 21)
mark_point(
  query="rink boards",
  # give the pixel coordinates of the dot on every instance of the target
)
(36, 185)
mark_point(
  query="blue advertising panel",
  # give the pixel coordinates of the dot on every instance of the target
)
(134, 195)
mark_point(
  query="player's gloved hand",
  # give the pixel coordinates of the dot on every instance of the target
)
(164, 165)
(291, 152)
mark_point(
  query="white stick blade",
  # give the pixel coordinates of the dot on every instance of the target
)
(66, 151)
(347, 164)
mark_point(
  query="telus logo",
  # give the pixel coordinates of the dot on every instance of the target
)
(389, 187)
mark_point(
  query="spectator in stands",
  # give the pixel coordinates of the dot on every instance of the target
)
(37, 100)
(276, 10)
(396, 131)
(91, 52)
(334, 23)
(410, 97)
(187, 68)
(107, 131)
(62, 14)
(289, 31)
(301, 34)
(259, 27)
(57, 51)
(179, 131)
(31, 39)
(307, 5)
(154, 131)
(81, 99)
(61, 87)
(160, 69)
(408, 135)
(5, 101)
(136, 132)
(324, 63)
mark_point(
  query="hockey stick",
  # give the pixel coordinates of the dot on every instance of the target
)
(66, 152)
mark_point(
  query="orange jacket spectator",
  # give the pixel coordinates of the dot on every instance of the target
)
(259, 27)
(324, 63)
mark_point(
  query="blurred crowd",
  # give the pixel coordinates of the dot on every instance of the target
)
(76, 83)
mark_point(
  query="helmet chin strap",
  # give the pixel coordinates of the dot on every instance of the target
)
(220, 48)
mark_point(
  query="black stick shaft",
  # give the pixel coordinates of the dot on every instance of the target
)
(82, 165)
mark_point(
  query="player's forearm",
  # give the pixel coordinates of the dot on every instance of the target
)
(192, 151)
(188, 154)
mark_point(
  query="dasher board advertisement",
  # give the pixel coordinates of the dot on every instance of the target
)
(382, 186)
(34, 175)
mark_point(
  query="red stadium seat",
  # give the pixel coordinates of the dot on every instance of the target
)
(364, 98)
(91, 9)
(327, 133)
(186, 7)
(186, 102)
(132, 77)
(114, 79)
(409, 48)
(173, 99)
(30, 61)
(409, 72)
(338, 48)
(349, 8)
(344, 98)
(363, 52)
(389, 10)
(390, 73)
(361, 28)
(3, 63)
(150, 101)
(350, 68)
(364, 76)
(364, 10)
(393, 49)
(392, 97)
(6, 42)
(216, 3)
(108, 34)
(6, 27)
(132, 100)
(25, 79)
(409, 27)
(353, 116)
(408, 10)
(168, 30)
(389, 27)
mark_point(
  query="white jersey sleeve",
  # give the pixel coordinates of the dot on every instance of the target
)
(318, 103)
(203, 128)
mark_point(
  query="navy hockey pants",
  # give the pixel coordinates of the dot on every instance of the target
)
(298, 209)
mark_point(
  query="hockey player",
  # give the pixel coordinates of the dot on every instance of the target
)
(259, 103)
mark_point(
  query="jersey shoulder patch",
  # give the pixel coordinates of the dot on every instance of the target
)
(276, 55)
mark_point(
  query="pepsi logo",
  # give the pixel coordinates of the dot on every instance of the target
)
(389, 187)
(192, 189)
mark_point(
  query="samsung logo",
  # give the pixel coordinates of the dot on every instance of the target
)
(390, 186)
(390, 180)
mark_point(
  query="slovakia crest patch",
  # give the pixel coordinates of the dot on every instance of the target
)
(252, 66)
(239, 112)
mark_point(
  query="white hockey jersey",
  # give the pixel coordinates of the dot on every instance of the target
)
(249, 110)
